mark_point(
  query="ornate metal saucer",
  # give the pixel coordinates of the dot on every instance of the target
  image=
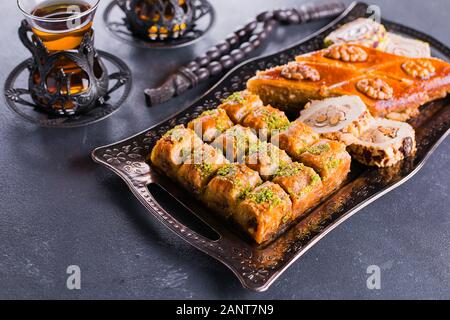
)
(114, 19)
(18, 98)
(257, 267)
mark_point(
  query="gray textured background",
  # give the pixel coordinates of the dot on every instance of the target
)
(58, 208)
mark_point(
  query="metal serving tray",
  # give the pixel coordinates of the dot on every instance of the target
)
(257, 267)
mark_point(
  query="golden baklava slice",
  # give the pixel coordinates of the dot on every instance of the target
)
(303, 185)
(295, 138)
(235, 142)
(429, 74)
(266, 158)
(239, 104)
(291, 86)
(173, 148)
(263, 211)
(198, 169)
(330, 159)
(386, 97)
(266, 120)
(229, 186)
(210, 124)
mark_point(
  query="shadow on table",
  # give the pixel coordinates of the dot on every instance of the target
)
(223, 282)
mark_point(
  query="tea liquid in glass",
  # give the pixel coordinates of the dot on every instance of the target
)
(61, 29)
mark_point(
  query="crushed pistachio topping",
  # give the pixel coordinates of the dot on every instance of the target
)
(317, 149)
(240, 137)
(289, 170)
(274, 120)
(176, 134)
(226, 170)
(315, 178)
(185, 152)
(259, 147)
(236, 97)
(205, 168)
(244, 194)
(306, 190)
(219, 116)
(263, 149)
(333, 163)
(212, 112)
(263, 196)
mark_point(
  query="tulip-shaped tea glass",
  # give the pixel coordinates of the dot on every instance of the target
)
(67, 76)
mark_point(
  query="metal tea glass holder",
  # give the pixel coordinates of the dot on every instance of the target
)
(165, 24)
(66, 82)
(53, 105)
(57, 99)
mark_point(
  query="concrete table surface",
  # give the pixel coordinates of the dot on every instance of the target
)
(59, 208)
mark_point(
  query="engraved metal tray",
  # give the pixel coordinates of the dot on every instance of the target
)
(257, 267)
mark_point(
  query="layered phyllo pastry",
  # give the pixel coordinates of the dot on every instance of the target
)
(173, 149)
(210, 124)
(291, 86)
(391, 86)
(229, 187)
(266, 158)
(330, 160)
(384, 143)
(266, 120)
(263, 211)
(235, 142)
(303, 185)
(239, 104)
(340, 118)
(199, 167)
(295, 138)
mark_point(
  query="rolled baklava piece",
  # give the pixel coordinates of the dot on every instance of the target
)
(239, 104)
(295, 139)
(198, 169)
(173, 148)
(303, 185)
(364, 31)
(229, 186)
(384, 143)
(210, 124)
(341, 118)
(407, 47)
(266, 159)
(330, 159)
(263, 211)
(266, 121)
(235, 143)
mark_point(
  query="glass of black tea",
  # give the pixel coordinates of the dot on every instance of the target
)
(61, 26)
